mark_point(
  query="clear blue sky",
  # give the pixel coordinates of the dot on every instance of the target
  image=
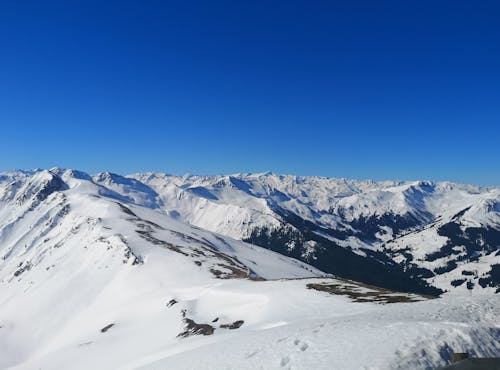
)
(361, 89)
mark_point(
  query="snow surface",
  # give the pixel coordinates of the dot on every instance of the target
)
(285, 326)
(102, 277)
(236, 205)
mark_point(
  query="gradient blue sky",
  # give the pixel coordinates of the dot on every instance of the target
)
(361, 89)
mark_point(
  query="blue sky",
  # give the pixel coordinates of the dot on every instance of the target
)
(361, 89)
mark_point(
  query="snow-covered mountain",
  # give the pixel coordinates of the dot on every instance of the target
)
(445, 233)
(70, 248)
(105, 272)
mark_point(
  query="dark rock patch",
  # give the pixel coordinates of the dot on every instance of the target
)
(235, 325)
(22, 268)
(367, 293)
(126, 210)
(150, 238)
(106, 328)
(193, 328)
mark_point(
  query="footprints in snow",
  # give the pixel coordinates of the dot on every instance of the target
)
(315, 331)
(302, 346)
(284, 361)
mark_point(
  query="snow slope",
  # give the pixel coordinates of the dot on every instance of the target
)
(411, 224)
(351, 336)
(286, 326)
(70, 248)
(95, 274)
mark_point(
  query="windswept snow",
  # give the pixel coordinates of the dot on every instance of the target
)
(98, 272)
(345, 335)
(285, 326)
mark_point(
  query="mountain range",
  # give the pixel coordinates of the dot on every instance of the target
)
(143, 271)
(399, 235)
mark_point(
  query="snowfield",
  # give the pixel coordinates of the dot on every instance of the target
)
(286, 326)
(338, 334)
(95, 273)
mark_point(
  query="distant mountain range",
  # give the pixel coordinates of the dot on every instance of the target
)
(156, 271)
(420, 236)
(393, 234)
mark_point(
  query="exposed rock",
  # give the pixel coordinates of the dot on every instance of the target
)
(193, 328)
(235, 325)
(106, 328)
(366, 293)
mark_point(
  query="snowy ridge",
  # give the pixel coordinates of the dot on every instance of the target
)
(65, 241)
(392, 222)
(40, 213)
(98, 272)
